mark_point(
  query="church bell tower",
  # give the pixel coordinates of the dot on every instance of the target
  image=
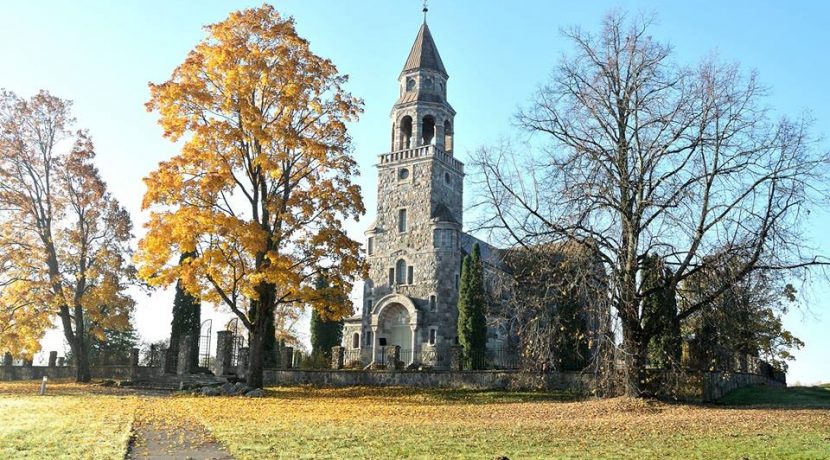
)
(413, 247)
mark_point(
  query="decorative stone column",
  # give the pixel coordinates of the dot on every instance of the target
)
(7, 359)
(456, 358)
(185, 359)
(393, 355)
(134, 357)
(224, 353)
(53, 358)
(338, 355)
(287, 357)
(242, 361)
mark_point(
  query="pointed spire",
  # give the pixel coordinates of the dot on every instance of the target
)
(424, 53)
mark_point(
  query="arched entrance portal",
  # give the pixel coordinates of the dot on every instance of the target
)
(395, 326)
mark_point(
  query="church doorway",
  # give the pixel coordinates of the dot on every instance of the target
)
(395, 326)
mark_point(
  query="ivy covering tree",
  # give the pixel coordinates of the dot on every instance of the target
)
(660, 313)
(743, 320)
(325, 334)
(187, 317)
(472, 324)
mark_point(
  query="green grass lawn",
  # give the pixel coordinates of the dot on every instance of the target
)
(808, 397)
(70, 421)
(76, 421)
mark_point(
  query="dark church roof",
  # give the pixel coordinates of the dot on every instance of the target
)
(443, 214)
(424, 53)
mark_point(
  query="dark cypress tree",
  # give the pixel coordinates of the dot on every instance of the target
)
(472, 323)
(660, 314)
(324, 334)
(187, 317)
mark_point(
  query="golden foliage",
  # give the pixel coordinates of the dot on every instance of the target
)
(262, 184)
(64, 240)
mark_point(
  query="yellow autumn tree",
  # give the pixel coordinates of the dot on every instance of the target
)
(64, 240)
(262, 185)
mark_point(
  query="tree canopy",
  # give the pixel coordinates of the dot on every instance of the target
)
(64, 240)
(635, 153)
(262, 185)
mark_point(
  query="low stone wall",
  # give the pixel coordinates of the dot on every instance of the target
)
(8, 373)
(715, 385)
(136, 373)
(478, 380)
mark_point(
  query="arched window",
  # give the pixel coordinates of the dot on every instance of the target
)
(405, 136)
(400, 272)
(356, 340)
(428, 128)
(447, 136)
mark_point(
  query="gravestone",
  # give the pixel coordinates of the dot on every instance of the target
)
(53, 358)
(185, 358)
(338, 355)
(393, 355)
(7, 359)
(287, 357)
(224, 353)
(242, 361)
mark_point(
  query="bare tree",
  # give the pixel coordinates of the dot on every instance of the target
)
(637, 154)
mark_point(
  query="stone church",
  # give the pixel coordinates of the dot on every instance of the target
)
(416, 245)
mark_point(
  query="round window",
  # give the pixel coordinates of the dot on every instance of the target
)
(410, 84)
(447, 178)
(403, 173)
(428, 83)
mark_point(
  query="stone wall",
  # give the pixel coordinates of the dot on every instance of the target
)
(714, 385)
(137, 373)
(476, 380)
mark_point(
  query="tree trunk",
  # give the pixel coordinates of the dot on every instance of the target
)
(262, 314)
(255, 358)
(75, 339)
(635, 346)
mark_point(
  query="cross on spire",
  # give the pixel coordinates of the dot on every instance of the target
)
(426, 8)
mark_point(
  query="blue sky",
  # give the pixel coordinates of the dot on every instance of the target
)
(102, 54)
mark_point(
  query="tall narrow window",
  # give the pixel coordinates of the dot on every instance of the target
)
(400, 268)
(370, 245)
(436, 238)
(410, 278)
(433, 336)
(368, 336)
(401, 220)
(356, 340)
(391, 276)
(433, 303)
(456, 281)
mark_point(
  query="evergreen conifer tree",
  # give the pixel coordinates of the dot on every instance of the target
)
(660, 314)
(324, 334)
(187, 317)
(472, 323)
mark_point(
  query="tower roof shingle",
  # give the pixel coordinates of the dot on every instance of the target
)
(424, 53)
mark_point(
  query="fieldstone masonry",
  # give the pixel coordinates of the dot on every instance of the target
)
(184, 363)
(242, 361)
(286, 357)
(338, 356)
(224, 353)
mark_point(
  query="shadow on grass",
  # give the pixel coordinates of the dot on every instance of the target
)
(415, 396)
(817, 397)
